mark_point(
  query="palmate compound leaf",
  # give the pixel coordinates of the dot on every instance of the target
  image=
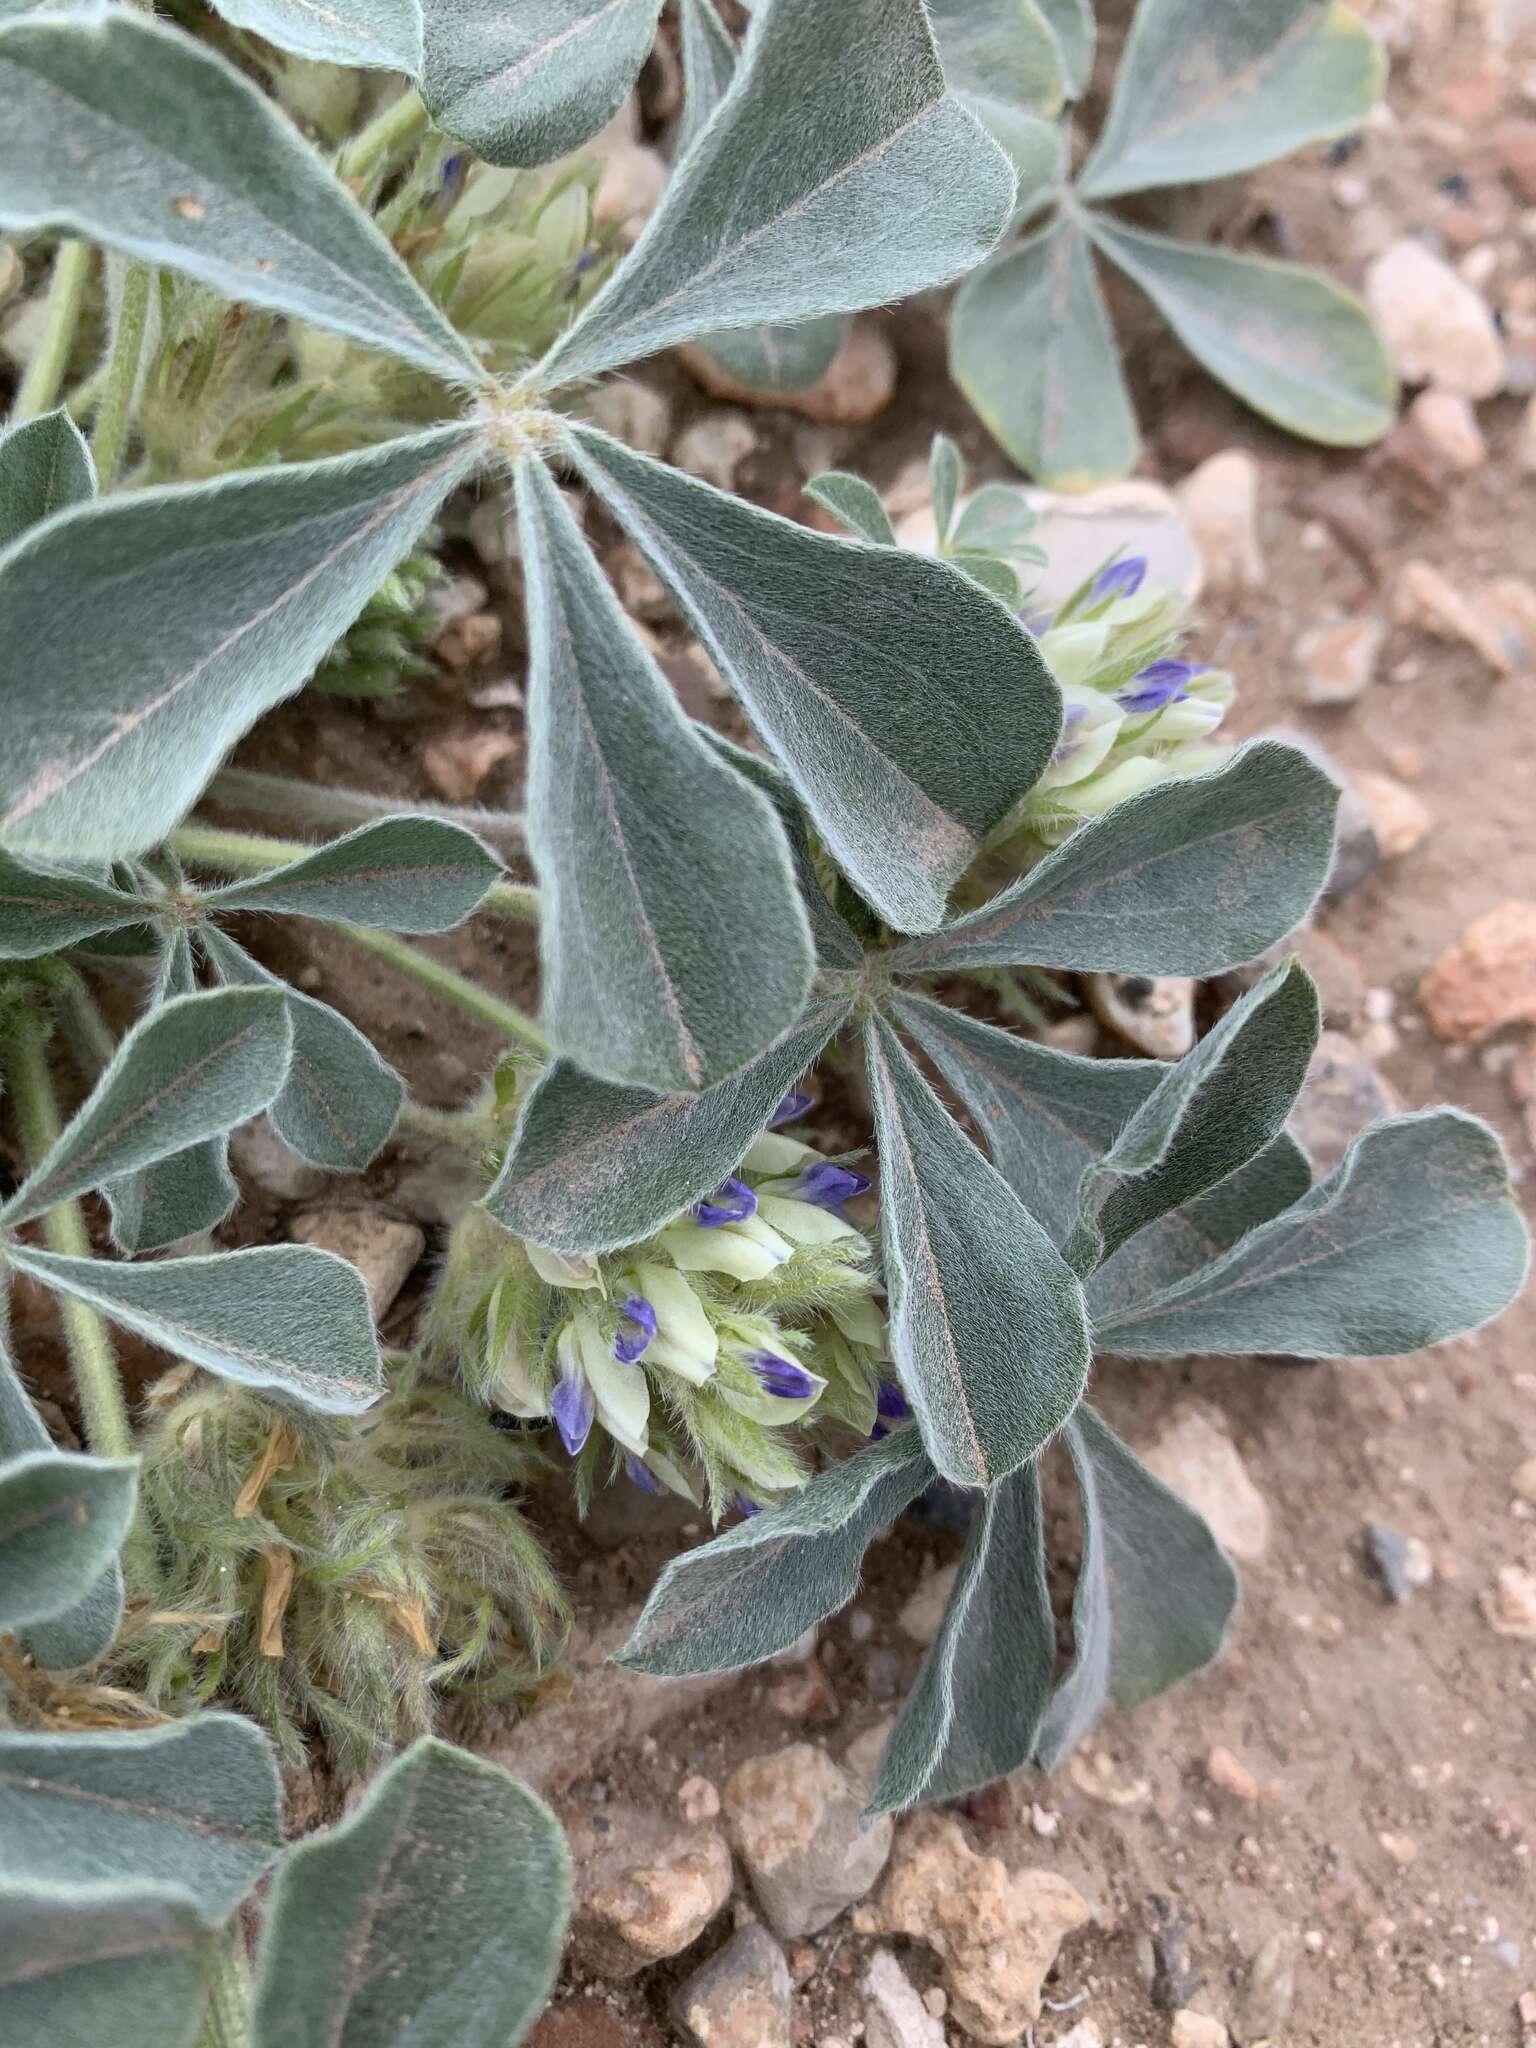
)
(1189, 877)
(755, 1589)
(191, 1070)
(1292, 344)
(1073, 25)
(62, 1521)
(133, 135)
(908, 708)
(837, 173)
(1209, 1115)
(383, 34)
(673, 942)
(432, 1917)
(999, 53)
(593, 1166)
(140, 636)
(405, 874)
(1414, 1239)
(341, 1098)
(988, 1328)
(289, 1318)
(527, 83)
(1154, 1590)
(125, 1963)
(47, 910)
(780, 358)
(1031, 347)
(194, 1805)
(974, 1710)
(45, 467)
(1203, 92)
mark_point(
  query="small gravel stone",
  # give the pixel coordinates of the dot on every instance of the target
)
(715, 446)
(1401, 1563)
(698, 1800)
(382, 1248)
(1445, 428)
(645, 1889)
(1220, 504)
(1195, 2030)
(797, 1823)
(1487, 979)
(1155, 1013)
(1264, 2004)
(1338, 662)
(260, 1156)
(1342, 1094)
(1195, 1456)
(1230, 1774)
(894, 2015)
(1399, 819)
(1424, 599)
(741, 1997)
(923, 1615)
(1511, 1605)
(1436, 328)
(858, 383)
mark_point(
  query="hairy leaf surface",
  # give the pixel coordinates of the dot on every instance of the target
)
(45, 467)
(47, 910)
(129, 1964)
(406, 874)
(62, 1521)
(382, 34)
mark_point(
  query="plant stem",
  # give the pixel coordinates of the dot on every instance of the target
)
(114, 415)
(102, 1407)
(248, 853)
(324, 808)
(66, 294)
(386, 136)
(227, 2020)
(452, 987)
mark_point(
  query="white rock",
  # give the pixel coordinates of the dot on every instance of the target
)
(894, 2015)
(382, 1248)
(634, 413)
(797, 1822)
(923, 1614)
(1156, 1014)
(1194, 1455)
(1195, 2030)
(714, 445)
(1085, 2034)
(1446, 427)
(1511, 1606)
(1436, 328)
(1080, 531)
(259, 1155)
(1425, 599)
(1399, 819)
(1220, 503)
(1338, 662)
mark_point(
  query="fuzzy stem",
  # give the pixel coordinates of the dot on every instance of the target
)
(227, 2020)
(385, 137)
(247, 853)
(452, 987)
(66, 294)
(114, 415)
(102, 1407)
(339, 810)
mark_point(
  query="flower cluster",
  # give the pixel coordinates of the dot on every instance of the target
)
(708, 1360)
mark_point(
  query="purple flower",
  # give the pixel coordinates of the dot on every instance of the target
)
(637, 1326)
(572, 1407)
(827, 1185)
(733, 1202)
(791, 1109)
(891, 1402)
(747, 1506)
(781, 1377)
(1036, 623)
(640, 1474)
(1159, 683)
(1120, 579)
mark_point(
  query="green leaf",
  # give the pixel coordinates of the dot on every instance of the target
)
(987, 1322)
(1413, 1240)
(857, 504)
(1154, 1590)
(45, 467)
(673, 942)
(592, 1166)
(62, 1521)
(192, 1069)
(994, 576)
(195, 1805)
(130, 133)
(192, 1191)
(1031, 347)
(47, 910)
(709, 65)
(406, 874)
(98, 1963)
(341, 1099)
(383, 34)
(1192, 876)
(1075, 30)
(909, 710)
(1203, 92)
(974, 1711)
(1292, 344)
(1209, 1115)
(1035, 147)
(946, 476)
(997, 520)
(1001, 51)
(158, 626)
(433, 1915)
(758, 1587)
(837, 173)
(525, 84)
(287, 1317)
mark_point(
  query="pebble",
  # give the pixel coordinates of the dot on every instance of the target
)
(636, 414)
(1080, 530)
(582, 2023)
(1429, 603)
(382, 1248)
(923, 1615)
(1195, 1456)
(1436, 328)
(457, 767)
(1445, 428)
(797, 1823)
(698, 1799)
(1195, 2030)
(1230, 1774)
(1399, 819)
(645, 1889)
(1508, 604)
(894, 2015)
(1511, 1605)
(633, 180)
(1220, 504)
(714, 445)
(1086, 2034)
(1402, 1849)
(259, 1155)
(858, 383)
(1338, 662)
(1095, 1772)
(463, 641)
(997, 1934)
(1402, 1563)
(1486, 979)
(1342, 1094)
(1264, 2004)
(741, 1997)
(1156, 1014)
